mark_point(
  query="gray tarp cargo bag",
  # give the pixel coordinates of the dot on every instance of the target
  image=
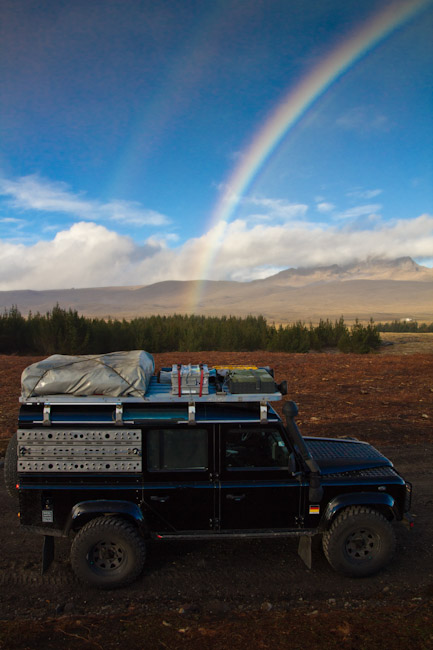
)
(116, 374)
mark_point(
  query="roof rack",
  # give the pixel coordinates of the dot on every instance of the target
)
(157, 394)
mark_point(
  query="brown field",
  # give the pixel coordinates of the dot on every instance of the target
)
(408, 343)
(252, 594)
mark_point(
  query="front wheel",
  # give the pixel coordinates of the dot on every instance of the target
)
(360, 542)
(108, 552)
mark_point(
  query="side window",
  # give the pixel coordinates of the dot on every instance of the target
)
(177, 449)
(249, 448)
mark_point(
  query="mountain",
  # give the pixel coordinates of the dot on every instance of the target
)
(403, 268)
(377, 288)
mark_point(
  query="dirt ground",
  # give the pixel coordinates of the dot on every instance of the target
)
(257, 593)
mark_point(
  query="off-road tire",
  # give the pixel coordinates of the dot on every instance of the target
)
(360, 542)
(10, 468)
(108, 552)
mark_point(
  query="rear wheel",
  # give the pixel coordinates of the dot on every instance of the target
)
(360, 542)
(108, 552)
(10, 469)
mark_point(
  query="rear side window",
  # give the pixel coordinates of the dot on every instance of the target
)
(177, 449)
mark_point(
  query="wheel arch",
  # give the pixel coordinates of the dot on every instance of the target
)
(382, 502)
(85, 511)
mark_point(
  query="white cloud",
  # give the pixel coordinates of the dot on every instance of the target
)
(88, 254)
(163, 239)
(259, 273)
(310, 244)
(360, 211)
(36, 193)
(364, 194)
(11, 220)
(272, 208)
(325, 207)
(227, 194)
(363, 119)
(276, 208)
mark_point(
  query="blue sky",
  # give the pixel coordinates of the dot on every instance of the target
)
(122, 125)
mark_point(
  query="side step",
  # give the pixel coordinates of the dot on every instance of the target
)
(235, 534)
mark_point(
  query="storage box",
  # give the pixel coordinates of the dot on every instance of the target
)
(251, 381)
(190, 379)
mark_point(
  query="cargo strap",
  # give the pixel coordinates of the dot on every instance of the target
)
(201, 380)
(258, 380)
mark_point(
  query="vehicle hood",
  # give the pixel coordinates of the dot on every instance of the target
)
(334, 455)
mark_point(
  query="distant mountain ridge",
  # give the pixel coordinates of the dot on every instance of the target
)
(402, 268)
(377, 288)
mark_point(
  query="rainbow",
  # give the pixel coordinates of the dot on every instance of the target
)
(290, 110)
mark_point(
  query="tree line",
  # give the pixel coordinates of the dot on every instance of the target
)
(61, 331)
(404, 326)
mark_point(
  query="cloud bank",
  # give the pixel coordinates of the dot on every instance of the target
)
(88, 254)
(274, 234)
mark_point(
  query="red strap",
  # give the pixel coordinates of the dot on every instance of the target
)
(179, 378)
(201, 381)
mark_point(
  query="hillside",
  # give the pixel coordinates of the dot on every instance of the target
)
(378, 289)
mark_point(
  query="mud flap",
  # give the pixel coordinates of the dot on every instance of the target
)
(47, 553)
(304, 550)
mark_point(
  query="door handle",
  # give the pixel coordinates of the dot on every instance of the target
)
(162, 499)
(235, 497)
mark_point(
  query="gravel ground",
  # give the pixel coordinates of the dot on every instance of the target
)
(385, 399)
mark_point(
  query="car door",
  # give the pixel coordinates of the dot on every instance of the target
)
(179, 492)
(257, 490)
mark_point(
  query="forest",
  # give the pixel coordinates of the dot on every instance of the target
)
(61, 331)
(405, 326)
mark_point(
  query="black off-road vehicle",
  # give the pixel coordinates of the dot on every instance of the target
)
(201, 460)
